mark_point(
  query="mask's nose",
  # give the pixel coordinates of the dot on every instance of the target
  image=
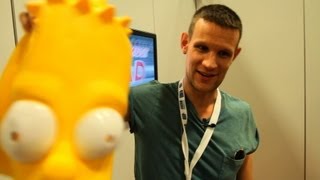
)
(60, 164)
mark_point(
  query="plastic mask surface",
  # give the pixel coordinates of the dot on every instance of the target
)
(64, 91)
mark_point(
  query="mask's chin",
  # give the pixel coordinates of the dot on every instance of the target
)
(93, 170)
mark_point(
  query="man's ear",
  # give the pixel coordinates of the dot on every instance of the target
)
(27, 21)
(236, 53)
(184, 42)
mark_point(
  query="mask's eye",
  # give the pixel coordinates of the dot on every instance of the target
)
(98, 132)
(28, 130)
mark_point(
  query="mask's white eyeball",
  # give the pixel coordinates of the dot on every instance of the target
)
(28, 130)
(98, 132)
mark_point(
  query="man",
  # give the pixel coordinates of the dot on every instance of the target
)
(190, 129)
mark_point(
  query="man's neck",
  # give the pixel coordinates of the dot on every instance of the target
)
(203, 102)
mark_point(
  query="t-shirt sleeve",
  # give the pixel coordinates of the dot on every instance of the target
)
(131, 112)
(253, 134)
(140, 98)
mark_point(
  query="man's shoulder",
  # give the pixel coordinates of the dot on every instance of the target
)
(233, 100)
(152, 87)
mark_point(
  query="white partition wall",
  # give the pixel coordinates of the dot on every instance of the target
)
(269, 74)
(171, 19)
(140, 12)
(312, 35)
(6, 33)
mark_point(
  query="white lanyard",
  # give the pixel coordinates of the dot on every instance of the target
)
(207, 134)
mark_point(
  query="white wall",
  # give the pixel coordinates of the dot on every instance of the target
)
(6, 33)
(312, 89)
(269, 74)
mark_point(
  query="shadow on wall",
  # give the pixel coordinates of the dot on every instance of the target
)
(281, 148)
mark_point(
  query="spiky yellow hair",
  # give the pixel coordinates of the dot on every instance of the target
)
(99, 7)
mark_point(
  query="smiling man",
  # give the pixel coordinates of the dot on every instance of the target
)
(190, 129)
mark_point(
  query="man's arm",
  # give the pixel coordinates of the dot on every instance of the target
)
(246, 170)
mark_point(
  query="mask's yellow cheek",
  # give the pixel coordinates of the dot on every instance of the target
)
(62, 164)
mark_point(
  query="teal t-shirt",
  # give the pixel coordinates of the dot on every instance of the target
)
(156, 124)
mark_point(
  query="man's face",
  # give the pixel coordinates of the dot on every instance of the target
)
(210, 51)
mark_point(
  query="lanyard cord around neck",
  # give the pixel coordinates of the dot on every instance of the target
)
(207, 134)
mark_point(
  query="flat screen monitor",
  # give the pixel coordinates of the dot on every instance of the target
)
(144, 53)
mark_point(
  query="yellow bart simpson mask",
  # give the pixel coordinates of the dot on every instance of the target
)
(63, 94)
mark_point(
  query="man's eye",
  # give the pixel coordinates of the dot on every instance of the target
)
(224, 54)
(202, 48)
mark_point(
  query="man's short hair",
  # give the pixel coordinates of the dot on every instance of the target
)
(218, 14)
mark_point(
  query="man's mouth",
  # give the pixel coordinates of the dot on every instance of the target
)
(205, 74)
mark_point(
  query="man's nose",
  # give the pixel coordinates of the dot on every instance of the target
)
(210, 61)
